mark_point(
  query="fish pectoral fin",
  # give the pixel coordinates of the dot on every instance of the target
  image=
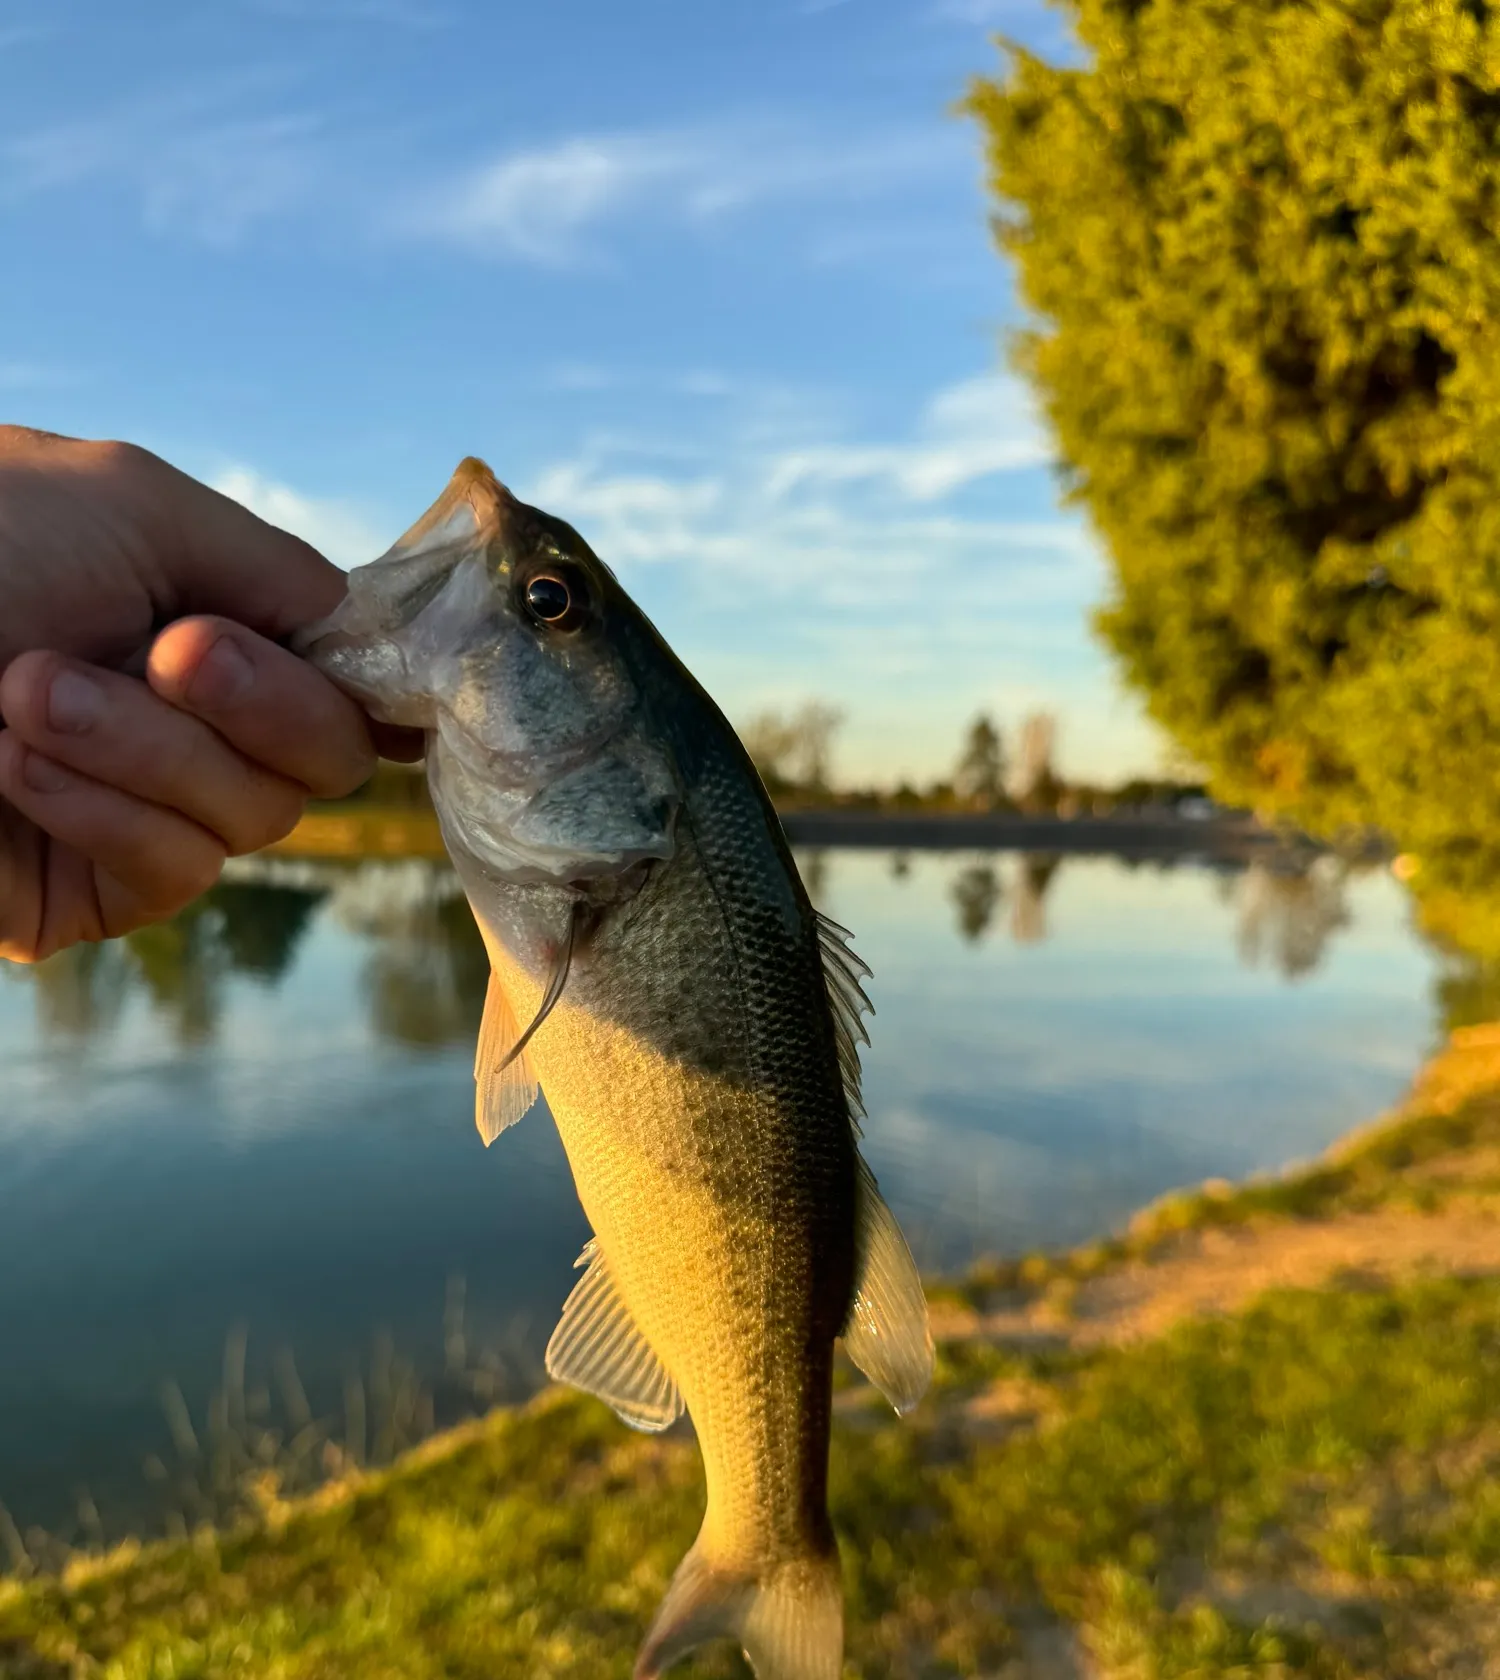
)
(598, 1347)
(887, 1334)
(504, 1084)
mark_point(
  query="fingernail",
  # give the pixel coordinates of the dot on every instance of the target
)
(222, 676)
(41, 775)
(73, 703)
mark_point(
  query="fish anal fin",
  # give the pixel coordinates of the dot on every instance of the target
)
(843, 972)
(887, 1334)
(789, 1623)
(505, 1086)
(598, 1347)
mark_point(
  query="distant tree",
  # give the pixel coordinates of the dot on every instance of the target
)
(793, 751)
(1261, 242)
(1035, 783)
(980, 777)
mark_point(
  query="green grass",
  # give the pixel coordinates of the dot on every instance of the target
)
(1342, 1435)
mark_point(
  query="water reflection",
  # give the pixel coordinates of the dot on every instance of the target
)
(976, 894)
(1288, 915)
(425, 970)
(427, 975)
(261, 1113)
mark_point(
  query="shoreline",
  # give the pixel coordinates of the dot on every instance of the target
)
(368, 831)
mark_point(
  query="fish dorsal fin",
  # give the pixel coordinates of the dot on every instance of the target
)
(504, 1084)
(598, 1347)
(887, 1334)
(842, 973)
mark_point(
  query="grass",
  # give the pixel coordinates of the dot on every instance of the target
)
(1344, 1436)
(1308, 1487)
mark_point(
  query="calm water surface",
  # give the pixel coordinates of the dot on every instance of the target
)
(261, 1116)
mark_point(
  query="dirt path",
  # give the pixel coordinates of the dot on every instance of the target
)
(1222, 1270)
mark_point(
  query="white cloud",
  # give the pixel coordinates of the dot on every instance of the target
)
(842, 571)
(970, 431)
(193, 161)
(538, 203)
(532, 204)
(333, 528)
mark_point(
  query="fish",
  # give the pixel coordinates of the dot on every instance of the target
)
(658, 970)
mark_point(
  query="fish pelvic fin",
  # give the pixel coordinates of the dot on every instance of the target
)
(887, 1334)
(505, 1086)
(789, 1622)
(598, 1347)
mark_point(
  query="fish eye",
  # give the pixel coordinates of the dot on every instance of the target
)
(548, 597)
(556, 598)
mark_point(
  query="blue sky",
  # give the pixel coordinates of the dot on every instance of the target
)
(712, 281)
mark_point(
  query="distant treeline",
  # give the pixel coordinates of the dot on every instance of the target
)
(793, 751)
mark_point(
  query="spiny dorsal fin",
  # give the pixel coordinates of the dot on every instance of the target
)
(504, 1085)
(842, 973)
(887, 1334)
(597, 1347)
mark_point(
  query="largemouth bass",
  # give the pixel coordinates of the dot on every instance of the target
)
(657, 970)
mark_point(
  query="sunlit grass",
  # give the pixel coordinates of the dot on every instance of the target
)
(1342, 1441)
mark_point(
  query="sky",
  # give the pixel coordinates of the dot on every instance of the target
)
(713, 282)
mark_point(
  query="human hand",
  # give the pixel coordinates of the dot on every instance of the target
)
(134, 759)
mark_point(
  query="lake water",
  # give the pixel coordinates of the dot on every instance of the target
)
(261, 1116)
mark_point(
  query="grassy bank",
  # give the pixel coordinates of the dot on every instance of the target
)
(1304, 1485)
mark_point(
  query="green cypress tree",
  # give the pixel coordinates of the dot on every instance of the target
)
(1260, 241)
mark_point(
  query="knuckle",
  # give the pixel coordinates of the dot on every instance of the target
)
(127, 460)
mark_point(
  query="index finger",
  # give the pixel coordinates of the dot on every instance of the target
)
(270, 705)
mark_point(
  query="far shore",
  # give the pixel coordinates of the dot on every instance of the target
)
(1144, 834)
(361, 830)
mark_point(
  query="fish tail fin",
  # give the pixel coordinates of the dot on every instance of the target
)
(789, 1622)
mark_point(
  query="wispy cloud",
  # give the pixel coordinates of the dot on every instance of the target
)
(540, 203)
(970, 431)
(781, 564)
(534, 204)
(334, 528)
(194, 161)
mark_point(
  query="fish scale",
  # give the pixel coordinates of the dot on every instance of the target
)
(691, 1019)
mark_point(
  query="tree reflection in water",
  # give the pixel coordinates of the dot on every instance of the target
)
(426, 971)
(1287, 916)
(1028, 910)
(249, 928)
(427, 975)
(976, 894)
